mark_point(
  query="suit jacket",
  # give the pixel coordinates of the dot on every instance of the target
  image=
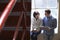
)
(49, 22)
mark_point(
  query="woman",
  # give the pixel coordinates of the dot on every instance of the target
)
(36, 23)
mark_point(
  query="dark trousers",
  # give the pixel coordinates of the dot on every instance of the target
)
(34, 35)
(48, 37)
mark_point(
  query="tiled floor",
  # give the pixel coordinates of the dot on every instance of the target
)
(40, 37)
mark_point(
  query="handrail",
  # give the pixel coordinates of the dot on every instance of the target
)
(18, 24)
(24, 29)
(6, 12)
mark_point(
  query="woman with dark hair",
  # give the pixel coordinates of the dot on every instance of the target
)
(36, 23)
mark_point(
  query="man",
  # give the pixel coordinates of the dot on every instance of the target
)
(50, 22)
(36, 23)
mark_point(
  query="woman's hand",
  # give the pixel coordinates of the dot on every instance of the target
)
(34, 30)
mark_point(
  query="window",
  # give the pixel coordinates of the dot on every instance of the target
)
(42, 5)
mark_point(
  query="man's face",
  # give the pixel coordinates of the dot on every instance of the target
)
(46, 14)
(37, 16)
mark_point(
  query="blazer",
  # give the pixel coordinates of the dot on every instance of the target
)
(49, 22)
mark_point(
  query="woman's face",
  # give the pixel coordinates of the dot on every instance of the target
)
(37, 16)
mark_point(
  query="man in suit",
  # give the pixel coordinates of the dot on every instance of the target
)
(50, 22)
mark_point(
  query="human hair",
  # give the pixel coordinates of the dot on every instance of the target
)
(35, 13)
(48, 11)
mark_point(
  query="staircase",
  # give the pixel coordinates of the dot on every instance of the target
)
(10, 26)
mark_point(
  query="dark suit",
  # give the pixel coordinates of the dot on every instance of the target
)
(52, 23)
